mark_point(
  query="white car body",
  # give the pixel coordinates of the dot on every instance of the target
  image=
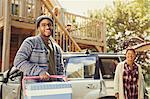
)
(87, 80)
(80, 86)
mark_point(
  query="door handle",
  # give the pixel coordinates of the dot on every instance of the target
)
(91, 86)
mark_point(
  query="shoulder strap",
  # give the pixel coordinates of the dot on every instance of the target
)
(7, 75)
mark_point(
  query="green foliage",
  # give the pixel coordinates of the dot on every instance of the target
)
(124, 20)
(143, 58)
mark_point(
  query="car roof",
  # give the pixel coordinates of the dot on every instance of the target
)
(68, 54)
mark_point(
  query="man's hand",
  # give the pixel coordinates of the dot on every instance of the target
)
(65, 79)
(117, 95)
(44, 76)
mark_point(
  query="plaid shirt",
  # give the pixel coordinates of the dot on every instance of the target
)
(130, 79)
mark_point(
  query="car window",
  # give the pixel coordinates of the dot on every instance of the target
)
(81, 67)
(108, 67)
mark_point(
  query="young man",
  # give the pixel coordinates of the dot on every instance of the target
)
(39, 55)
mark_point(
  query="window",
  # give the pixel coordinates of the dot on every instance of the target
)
(15, 9)
(108, 67)
(81, 67)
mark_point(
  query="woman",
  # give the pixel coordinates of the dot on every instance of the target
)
(129, 81)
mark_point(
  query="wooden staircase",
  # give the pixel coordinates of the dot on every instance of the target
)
(62, 38)
(86, 33)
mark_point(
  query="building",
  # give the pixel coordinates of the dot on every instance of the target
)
(17, 21)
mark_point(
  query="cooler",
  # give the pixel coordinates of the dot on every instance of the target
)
(47, 90)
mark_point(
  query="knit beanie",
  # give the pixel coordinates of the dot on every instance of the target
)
(40, 18)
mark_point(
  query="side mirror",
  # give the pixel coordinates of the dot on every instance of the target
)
(1, 77)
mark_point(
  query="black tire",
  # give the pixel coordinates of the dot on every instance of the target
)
(108, 97)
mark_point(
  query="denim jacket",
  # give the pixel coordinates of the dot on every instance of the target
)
(32, 57)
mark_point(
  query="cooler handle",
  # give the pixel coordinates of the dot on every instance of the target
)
(38, 77)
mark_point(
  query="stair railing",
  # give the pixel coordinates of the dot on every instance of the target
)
(62, 36)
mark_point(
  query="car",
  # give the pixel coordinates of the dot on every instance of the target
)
(90, 75)
(85, 76)
(106, 63)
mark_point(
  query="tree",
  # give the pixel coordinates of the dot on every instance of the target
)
(143, 58)
(125, 20)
